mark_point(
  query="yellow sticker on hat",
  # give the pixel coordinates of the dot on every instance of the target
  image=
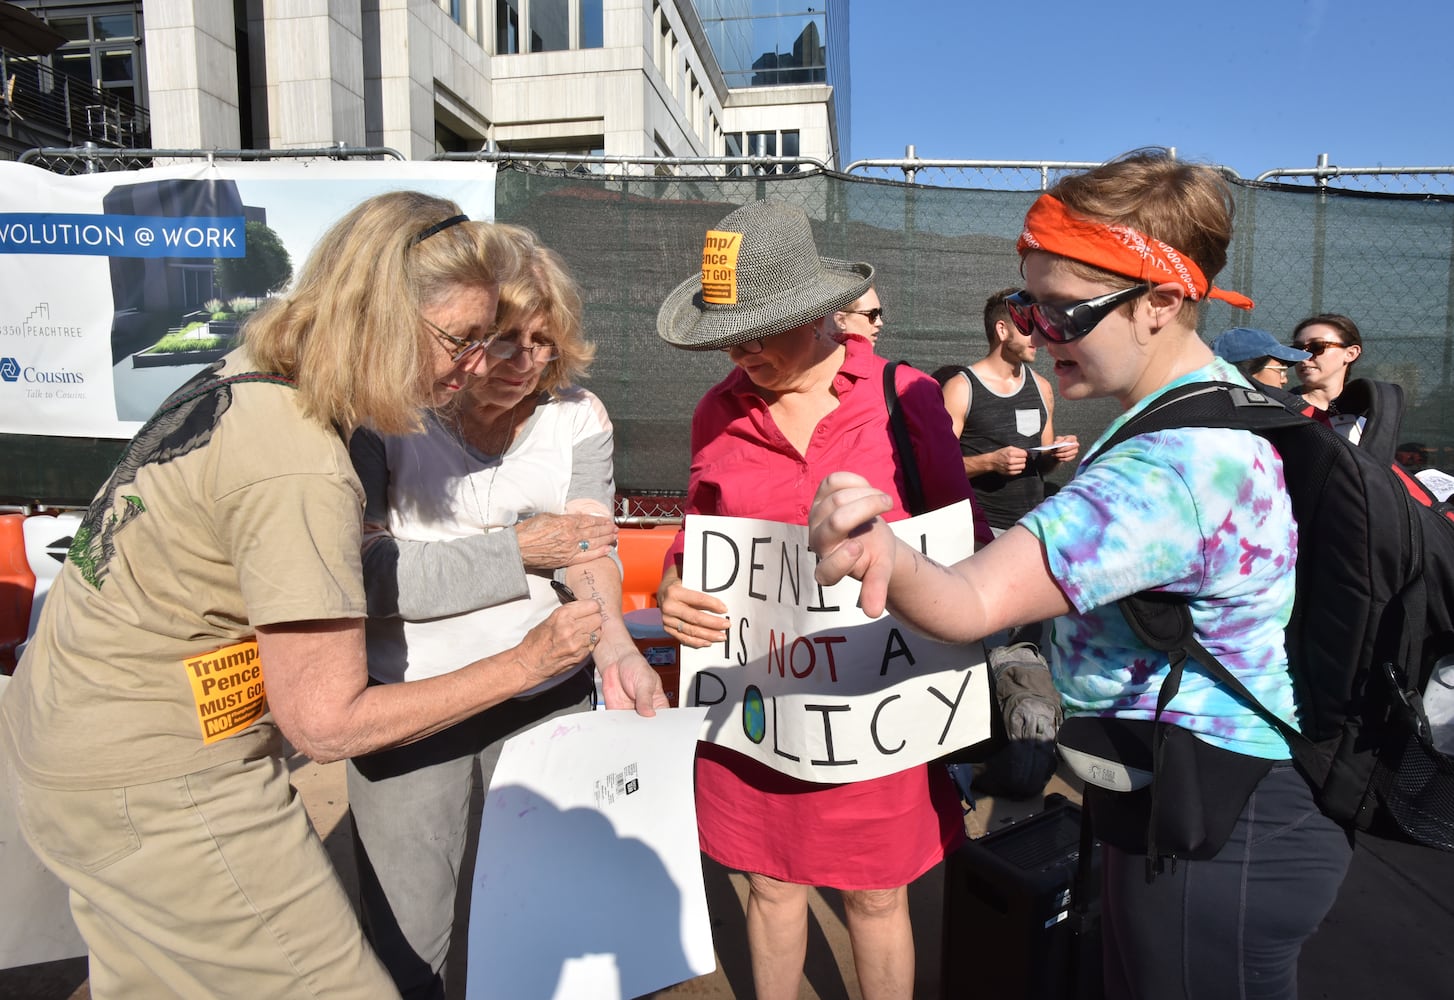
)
(227, 685)
(719, 267)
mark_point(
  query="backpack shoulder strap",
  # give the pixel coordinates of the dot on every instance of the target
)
(903, 443)
(1381, 404)
(1206, 404)
(944, 373)
(1163, 622)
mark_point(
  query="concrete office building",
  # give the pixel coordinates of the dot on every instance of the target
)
(622, 77)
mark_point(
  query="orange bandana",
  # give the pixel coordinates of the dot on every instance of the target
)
(1051, 227)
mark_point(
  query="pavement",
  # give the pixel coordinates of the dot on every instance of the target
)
(1390, 935)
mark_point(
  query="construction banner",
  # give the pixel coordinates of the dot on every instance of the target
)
(115, 288)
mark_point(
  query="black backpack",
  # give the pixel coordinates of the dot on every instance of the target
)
(1375, 585)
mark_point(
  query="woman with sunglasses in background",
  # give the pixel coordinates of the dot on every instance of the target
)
(466, 528)
(1333, 343)
(1116, 261)
(863, 317)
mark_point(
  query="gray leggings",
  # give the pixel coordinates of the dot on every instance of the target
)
(1229, 928)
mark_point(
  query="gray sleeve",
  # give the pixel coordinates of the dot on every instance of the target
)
(421, 580)
(593, 472)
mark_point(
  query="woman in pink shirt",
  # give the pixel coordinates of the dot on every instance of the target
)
(799, 403)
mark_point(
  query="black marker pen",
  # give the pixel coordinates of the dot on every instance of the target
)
(565, 594)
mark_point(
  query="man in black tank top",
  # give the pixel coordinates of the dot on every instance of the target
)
(1004, 414)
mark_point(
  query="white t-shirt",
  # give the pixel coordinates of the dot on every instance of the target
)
(440, 490)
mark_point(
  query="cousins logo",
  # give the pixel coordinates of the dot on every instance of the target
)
(12, 370)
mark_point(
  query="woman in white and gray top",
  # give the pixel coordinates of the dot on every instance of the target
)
(466, 527)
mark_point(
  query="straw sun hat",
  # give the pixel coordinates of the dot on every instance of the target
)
(761, 275)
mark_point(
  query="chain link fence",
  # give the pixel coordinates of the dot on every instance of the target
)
(631, 229)
(94, 159)
(1387, 260)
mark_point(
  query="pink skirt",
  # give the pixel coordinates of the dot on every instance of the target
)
(875, 834)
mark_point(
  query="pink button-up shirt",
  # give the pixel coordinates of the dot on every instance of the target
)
(743, 465)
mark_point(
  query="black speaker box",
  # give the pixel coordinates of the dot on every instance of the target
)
(1011, 928)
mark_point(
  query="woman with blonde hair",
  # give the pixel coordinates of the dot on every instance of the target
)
(213, 604)
(1116, 262)
(466, 527)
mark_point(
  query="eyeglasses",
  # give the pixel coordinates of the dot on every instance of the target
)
(1279, 370)
(1060, 324)
(462, 348)
(509, 350)
(753, 346)
(1317, 347)
(873, 315)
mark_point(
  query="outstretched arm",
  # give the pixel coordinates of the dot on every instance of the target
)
(1006, 583)
(627, 680)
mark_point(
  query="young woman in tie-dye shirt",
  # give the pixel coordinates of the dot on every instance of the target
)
(1115, 262)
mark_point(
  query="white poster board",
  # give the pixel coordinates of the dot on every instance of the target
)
(806, 682)
(588, 883)
(35, 915)
(96, 269)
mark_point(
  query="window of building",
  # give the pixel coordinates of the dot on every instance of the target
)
(787, 143)
(593, 24)
(507, 27)
(549, 25)
(103, 50)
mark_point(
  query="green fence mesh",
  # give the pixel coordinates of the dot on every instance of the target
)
(1385, 261)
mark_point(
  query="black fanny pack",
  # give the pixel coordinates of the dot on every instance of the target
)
(1155, 789)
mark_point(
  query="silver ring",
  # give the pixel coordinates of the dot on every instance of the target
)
(584, 544)
(595, 637)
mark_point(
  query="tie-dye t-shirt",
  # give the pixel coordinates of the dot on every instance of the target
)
(1194, 511)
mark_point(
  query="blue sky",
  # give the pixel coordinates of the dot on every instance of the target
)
(1250, 85)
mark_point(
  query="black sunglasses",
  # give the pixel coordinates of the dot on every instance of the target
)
(1317, 347)
(1060, 324)
(872, 314)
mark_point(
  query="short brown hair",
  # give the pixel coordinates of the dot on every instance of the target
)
(1186, 205)
(349, 330)
(996, 311)
(1347, 329)
(544, 287)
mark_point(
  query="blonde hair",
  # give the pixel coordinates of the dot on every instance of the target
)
(349, 330)
(1186, 205)
(543, 287)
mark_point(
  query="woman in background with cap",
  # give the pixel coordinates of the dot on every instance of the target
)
(1258, 355)
(1115, 262)
(799, 404)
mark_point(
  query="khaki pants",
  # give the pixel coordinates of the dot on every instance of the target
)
(212, 884)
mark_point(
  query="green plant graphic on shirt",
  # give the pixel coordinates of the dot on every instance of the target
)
(82, 552)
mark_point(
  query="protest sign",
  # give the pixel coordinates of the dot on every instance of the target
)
(807, 683)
